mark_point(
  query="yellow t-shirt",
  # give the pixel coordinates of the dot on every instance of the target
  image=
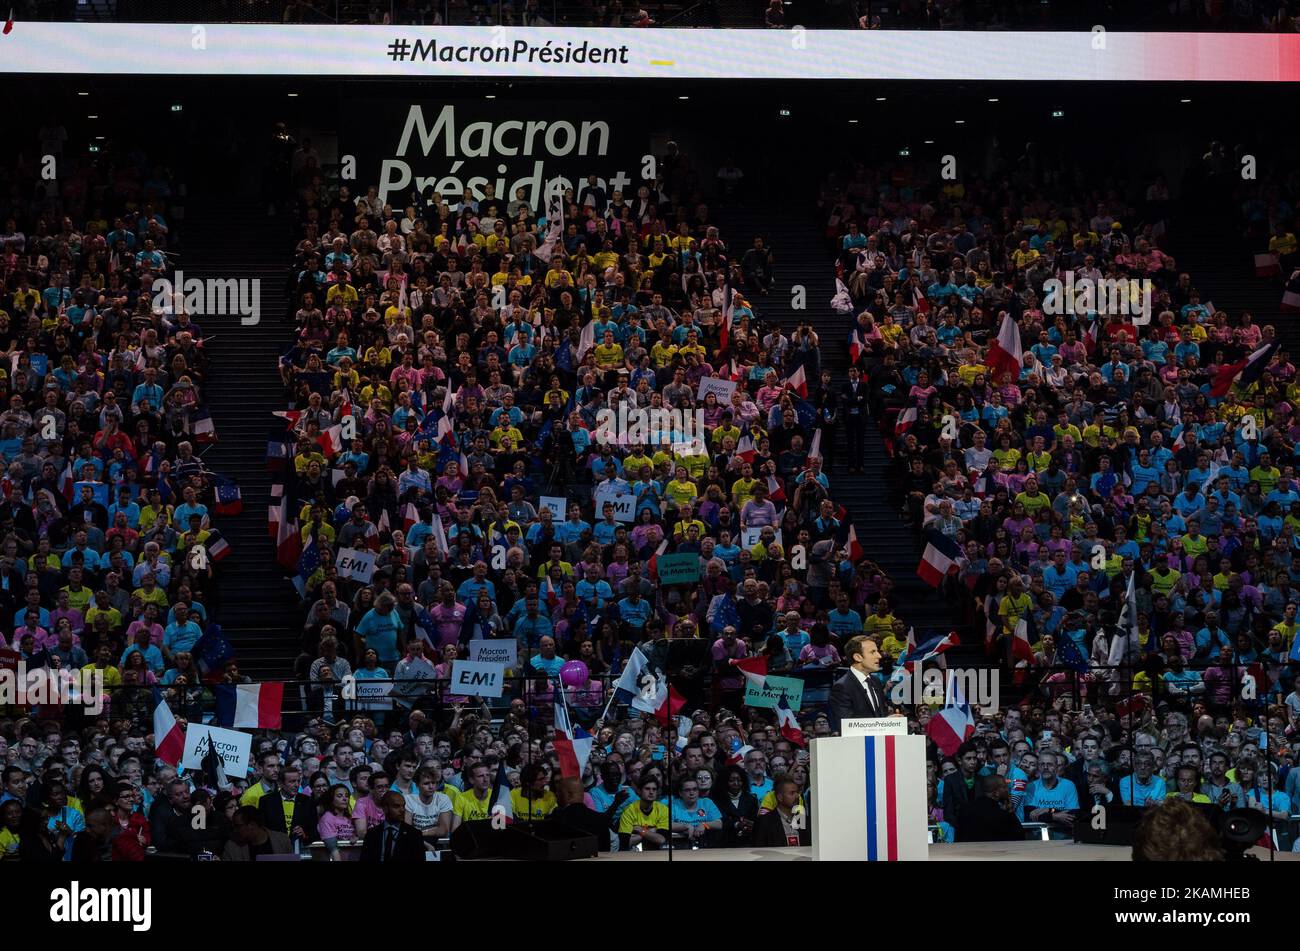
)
(1069, 429)
(340, 294)
(1033, 503)
(1163, 584)
(743, 490)
(515, 436)
(150, 515)
(252, 795)
(893, 646)
(609, 357)
(1013, 609)
(878, 624)
(472, 809)
(681, 492)
(634, 820)
(112, 676)
(662, 355)
(537, 808)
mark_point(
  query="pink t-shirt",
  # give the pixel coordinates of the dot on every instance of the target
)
(332, 826)
(733, 678)
(369, 810)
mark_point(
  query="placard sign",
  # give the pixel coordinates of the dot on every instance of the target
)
(769, 695)
(233, 746)
(478, 680)
(623, 502)
(678, 569)
(722, 388)
(356, 564)
(750, 537)
(502, 651)
(558, 505)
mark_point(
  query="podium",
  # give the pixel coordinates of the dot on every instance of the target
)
(869, 799)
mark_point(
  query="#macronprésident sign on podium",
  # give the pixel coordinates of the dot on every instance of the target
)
(869, 798)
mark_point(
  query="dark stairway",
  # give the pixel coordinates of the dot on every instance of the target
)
(1221, 262)
(231, 237)
(803, 259)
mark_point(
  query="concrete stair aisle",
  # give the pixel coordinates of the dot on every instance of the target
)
(804, 259)
(1221, 262)
(233, 238)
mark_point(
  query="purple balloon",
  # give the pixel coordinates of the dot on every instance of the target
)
(575, 674)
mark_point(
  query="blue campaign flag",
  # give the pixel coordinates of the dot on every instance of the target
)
(727, 615)
(1067, 649)
(474, 627)
(212, 651)
(308, 562)
(806, 414)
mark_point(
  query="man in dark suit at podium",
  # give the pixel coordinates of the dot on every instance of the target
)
(857, 693)
(393, 840)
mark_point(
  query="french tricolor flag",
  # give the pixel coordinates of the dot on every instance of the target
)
(798, 381)
(249, 706)
(331, 441)
(941, 557)
(853, 546)
(906, 420)
(1245, 372)
(168, 738)
(788, 723)
(1266, 265)
(955, 723)
(754, 669)
(1005, 355)
(572, 743)
(857, 346)
(745, 448)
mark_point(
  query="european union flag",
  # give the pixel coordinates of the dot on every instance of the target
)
(1070, 655)
(727, 615)
(544, 434)
(806, 414)
(212, 651)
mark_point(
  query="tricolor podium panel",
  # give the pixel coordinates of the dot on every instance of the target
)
(869, 799)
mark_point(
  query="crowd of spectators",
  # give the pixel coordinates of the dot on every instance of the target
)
(108, 546)
(470, 346)
(1123, 521)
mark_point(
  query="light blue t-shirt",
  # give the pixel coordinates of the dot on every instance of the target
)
(704, 810)
(1152, 792)
(379, 631)
(1062, 796)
